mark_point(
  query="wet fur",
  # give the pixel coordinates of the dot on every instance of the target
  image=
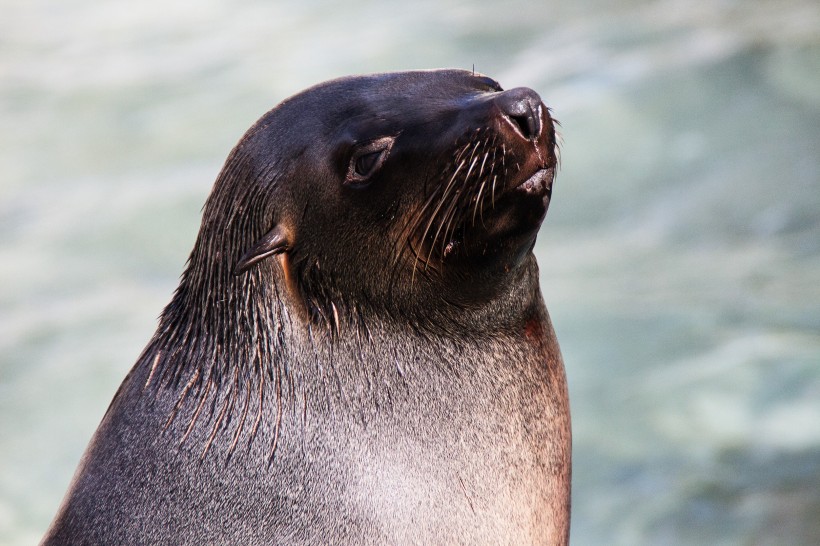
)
(276, 406)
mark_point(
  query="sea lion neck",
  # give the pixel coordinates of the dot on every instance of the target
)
(215, 312)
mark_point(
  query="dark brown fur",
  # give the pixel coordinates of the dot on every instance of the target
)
(351, 357)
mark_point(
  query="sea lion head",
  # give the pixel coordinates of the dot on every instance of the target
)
(386, 190)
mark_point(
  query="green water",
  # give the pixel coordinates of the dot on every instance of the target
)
(680, 259)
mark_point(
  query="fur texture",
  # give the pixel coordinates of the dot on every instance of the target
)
(358, 351)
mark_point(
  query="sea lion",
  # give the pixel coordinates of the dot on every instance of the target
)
(358, 351)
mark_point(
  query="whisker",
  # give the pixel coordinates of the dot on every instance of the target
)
(438, 208)
(449, 217)
(414, 222)
(478, 199)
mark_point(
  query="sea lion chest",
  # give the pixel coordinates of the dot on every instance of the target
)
(449, 441)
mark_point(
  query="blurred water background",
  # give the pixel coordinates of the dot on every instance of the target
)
(680, 259)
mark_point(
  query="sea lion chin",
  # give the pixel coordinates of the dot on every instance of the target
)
(358, 350)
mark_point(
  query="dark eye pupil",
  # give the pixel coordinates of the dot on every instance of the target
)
(366, 162)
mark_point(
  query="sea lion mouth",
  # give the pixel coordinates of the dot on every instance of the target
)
(539, 184)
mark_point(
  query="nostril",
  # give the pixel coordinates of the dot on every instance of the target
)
(522, 107)
(526, 124)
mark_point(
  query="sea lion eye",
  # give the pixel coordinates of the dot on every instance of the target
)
(367, 159)
(365, 163)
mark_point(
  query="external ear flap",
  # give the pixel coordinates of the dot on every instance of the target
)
(274, 242)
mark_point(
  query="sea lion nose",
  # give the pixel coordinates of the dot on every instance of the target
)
(522, 107)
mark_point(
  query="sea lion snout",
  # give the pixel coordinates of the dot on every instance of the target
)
(522, 108)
